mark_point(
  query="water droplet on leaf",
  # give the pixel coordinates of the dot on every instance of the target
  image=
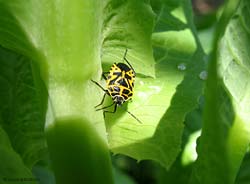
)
(203, 75)
(182, 67)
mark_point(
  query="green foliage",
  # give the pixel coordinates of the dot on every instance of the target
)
(159, 137)
(12, 165)
(51, 49)
(234, 70)
(243, 176)
(226, 117)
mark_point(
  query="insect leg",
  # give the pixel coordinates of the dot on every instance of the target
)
(99, 86)
(110, 111)
(133, 116)
(106, 92)
(124, 57)
(102, 100)
(105, 107)
(104, 75)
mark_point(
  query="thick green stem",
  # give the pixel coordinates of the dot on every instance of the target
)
(75, 132)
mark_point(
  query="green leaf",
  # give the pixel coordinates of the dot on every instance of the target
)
(226, 133)
(243, 176)
(128, 25)
(22, 107)
(234, 68)
(12, 167)
(121, 178)
(78, 153)
(63, 39)
(67, 40)
(161, 103)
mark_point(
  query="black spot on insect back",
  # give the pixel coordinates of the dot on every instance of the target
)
(124, 67)
(122, 82)
(125, 91)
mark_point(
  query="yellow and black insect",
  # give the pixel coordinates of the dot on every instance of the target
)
(120, 85)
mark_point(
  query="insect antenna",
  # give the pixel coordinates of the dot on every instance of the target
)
(133, 116)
